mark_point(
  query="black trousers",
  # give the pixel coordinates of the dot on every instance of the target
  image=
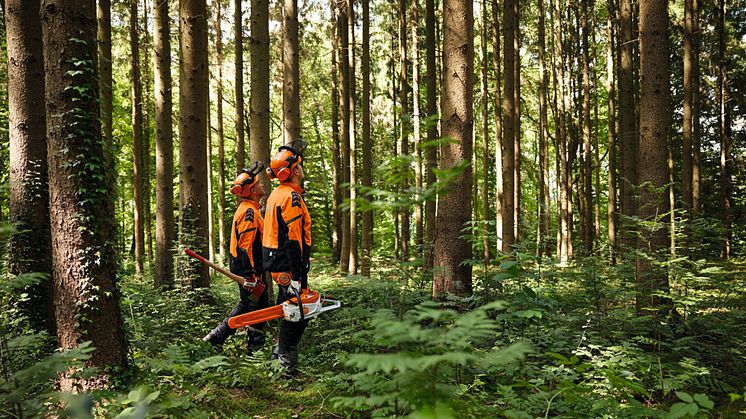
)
(245, 305)
(290, 332)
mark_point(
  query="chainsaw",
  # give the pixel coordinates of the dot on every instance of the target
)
(255, 285)
(305, 305)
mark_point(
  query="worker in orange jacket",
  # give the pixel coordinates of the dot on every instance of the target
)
(246, 254)
(286, 245)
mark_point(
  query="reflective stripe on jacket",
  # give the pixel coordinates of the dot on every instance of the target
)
(246, 239)
(286, 239)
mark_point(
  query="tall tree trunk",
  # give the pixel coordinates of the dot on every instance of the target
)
(86, 297)
(260, 85)
(193, 89)
(496, 63)
(696, 128)
(724, 124)
(587, 156)
(146, 167)
(291, 73)
(404, 127)
(336, 160)
(655, 123)
(240, 125)
(137, 148)
(686, 163)
(485, 136)
(517, 122)
(431, 152)
(509, 115)
(164, 149)
(28, 200)
(451, 274)
(367, 146)
(611, 211)
(103, 13)
(351, 122)
(221, 133)
(344, 257)
(627, 126)
(209, 179)
(416, 132)
(544, 205)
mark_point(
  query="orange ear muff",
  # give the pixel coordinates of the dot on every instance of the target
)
(236, 189)
(283, 173)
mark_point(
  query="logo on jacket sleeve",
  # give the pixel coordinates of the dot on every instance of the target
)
(249, 216)
(296, 199)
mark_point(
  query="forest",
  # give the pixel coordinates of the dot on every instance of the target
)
(526, 208)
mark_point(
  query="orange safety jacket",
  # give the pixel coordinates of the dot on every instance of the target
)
(287, 234)
(246, 239)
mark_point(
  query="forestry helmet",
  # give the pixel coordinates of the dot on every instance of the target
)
(288, 157)
(246, 180)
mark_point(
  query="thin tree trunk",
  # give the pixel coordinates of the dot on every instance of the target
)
(589, 228)
(485, 137)
(344, 257)
(496, 63)
(337, 163)
(724, 131)
(655, 123)
(28, 199)
(367, 146)
(260, 86)
(240, 125)
(451, 275)
(193, 90)
(137, 148)
(353, 265)
(164, 152)
(431, 152)
(82, 211)
(291, 73)
(544, 205)
(696, 128)
(221, 134)
(686, 162)
(146, 167)
(508, 141)
(404, 126)
(627, 126)
(517, 122)
(611, 211)
(103, 12)
(416, 132)
(209, 180)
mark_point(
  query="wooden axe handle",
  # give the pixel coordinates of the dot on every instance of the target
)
(239, 279)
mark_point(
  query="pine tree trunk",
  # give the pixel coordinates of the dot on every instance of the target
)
(451, 275)
(544, 205)
(696, 128)
(655, 123)
(496, 62)
(611, 210)
(103, 12)
(336, 159)
(260, 116)
(209, 179)
(344, 256)
(193, 90)
(137, 148)
(686, 161)
(28, 199)
(221, 134)
(627, 126)
(291, 73)
(240, 124)
(353, 265)
(146, 81)
(587, 156)
(367, 146)
(509, 115)
(431, 152)
(404, 127)
(724, 123)
(84, 259)
(164, 151)
(485, 137)
(517, 122)
(416, 131)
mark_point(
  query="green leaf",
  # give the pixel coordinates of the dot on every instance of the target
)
(684, 396)
(704, 401)
(680, 410)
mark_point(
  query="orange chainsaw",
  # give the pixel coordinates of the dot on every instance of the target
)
(306, 304)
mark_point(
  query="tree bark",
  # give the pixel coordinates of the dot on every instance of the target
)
(696, 128)
(29, 250)
(404, 126)
(611, 211)
(103, 13)
(193, 90)
(451, 275)
(724, 124)
(431, 152)
(627, 126)
(260, 116)
(291, 73)
(221, 133)
(485, 196)
(509, 115)
(146, 167)
(353, 264)
(544, 205)
(416, 129)
(240, 124)
(589, 229)
(496, 62)
(517, 122)
(686, 161)
(336, 160)
(81, 201)
(164, 151)
(655, 123)
(343, 17)
(367, 146)
(137, 147)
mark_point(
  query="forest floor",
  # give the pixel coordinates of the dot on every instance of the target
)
(574, 349)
